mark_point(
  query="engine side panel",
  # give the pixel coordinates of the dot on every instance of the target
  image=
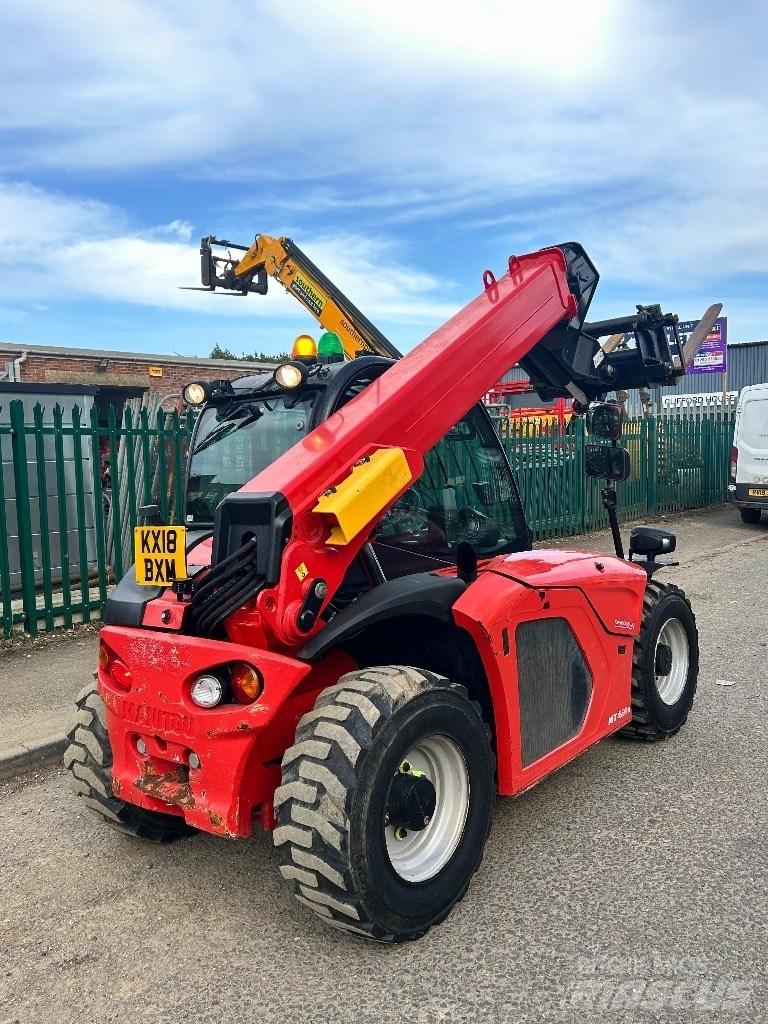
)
(613, 587)
(559, 679)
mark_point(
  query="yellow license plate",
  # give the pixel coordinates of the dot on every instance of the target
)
(160, 553)
(757, 492)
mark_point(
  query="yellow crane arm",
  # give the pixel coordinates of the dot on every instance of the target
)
(281, 259)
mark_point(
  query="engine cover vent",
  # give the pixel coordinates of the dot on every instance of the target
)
(555, 686)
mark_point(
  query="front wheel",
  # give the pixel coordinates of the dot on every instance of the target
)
(385, 803)
(665, 664)
(750, 515)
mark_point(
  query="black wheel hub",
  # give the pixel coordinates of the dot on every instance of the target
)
(411, 801)
(663, 664)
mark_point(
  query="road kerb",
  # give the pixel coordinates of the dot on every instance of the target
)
(20, 758)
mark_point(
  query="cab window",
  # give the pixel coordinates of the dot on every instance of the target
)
(466, 493)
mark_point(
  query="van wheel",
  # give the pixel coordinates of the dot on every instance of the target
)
(665, 664)
(750, 515)
(385, 803)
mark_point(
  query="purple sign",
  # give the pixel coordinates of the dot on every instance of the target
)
(712, 356)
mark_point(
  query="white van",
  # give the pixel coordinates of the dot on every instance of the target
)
(748, 487)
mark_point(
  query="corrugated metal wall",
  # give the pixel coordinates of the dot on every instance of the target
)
(516, 373)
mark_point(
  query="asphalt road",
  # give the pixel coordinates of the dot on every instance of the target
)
(635, 875)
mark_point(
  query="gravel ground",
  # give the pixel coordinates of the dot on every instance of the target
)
(635, 874)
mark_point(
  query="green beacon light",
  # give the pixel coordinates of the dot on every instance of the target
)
(329, 348)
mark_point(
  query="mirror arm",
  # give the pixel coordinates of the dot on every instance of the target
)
(610, 501)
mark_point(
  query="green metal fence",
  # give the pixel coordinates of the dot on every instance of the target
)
(677, 463)
(54, 494)
(61, 548)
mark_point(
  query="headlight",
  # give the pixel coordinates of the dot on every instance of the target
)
(206, 691)
(290, 375)
(195, 393)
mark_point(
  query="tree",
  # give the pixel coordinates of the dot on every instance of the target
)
(219, 352)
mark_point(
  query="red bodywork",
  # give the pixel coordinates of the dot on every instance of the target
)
(411, 406)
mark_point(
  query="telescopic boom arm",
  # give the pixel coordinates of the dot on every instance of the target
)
(281, 259)
(297, 526)
(303, 519)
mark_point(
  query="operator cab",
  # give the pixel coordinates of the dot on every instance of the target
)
(466, 494)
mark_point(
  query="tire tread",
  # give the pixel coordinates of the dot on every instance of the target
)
(317, 791)
(642, 727)
(88, 759)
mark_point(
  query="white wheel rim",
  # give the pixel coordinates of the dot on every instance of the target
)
(419, 856)
(671, 686)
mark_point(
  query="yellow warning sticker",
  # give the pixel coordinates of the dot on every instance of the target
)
(308, 294)
(302, 571)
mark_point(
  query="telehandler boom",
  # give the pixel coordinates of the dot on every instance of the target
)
(350, 639)
(283, 260)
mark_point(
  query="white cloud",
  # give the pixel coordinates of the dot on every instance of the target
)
(33, 222)
(74, 244)
(637, 128)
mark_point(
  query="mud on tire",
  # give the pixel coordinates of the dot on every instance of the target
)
(88, 758)
(658, 709)
(334, 799)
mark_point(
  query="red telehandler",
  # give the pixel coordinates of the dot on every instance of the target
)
(350, 638)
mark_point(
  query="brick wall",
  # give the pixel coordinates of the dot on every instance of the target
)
(127, 371)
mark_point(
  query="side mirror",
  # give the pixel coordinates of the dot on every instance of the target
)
(604, 419)
(604, 462)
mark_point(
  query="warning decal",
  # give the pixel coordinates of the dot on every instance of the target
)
(309, 295)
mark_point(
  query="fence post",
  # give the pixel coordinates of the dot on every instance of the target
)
(117, 525)
(162, 468)
(5, 569)
(100, 522)
(581, 481)
(130, 466)
(652, 463)
(61, 499)
(23, 515)
(178, 470)
(82, 535)
(42, 500)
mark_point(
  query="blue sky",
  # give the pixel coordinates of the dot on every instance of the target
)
(404, 146)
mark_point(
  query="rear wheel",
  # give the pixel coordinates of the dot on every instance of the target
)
(750, 515)
(665, 664)
(88, 758)
(385, 803)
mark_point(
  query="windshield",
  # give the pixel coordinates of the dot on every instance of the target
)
(466, 493)
(233, 443)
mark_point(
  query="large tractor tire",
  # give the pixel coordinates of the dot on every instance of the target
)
(665, 664)
(88, 758)
(385, 803)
